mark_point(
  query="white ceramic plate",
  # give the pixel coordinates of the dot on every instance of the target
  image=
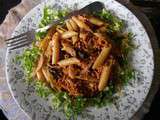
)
(133, 94)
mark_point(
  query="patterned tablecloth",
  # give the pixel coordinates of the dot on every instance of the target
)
(7, 103)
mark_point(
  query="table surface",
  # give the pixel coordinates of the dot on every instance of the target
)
(154, 18)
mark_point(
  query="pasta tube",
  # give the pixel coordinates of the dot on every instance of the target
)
(69, 27)
(102, 56)
(69, 49)
(73, 24)
(55, 48)
(69, 61)
(74, 39)
(40, 62)
(44, 43)
(95, 21)
(40, 75)
(81, 24)
(69, 34)
(60, 29)
(48, 76)
(48, 51)
(104, 77)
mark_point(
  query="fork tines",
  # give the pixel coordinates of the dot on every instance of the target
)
(19, 41)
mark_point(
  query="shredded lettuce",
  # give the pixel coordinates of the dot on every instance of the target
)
(126, 43)
(68, 107)
(39, 35)
(103, 98)
(42, 90)
(126, 71)
(49, 14)
(115, 25)
(57, 99)
(78, 105)
(28, 59)
(62, 100)
(126, 74)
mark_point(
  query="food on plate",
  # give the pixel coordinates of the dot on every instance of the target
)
(80, 62)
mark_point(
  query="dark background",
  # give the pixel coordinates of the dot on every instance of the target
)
(152, 11)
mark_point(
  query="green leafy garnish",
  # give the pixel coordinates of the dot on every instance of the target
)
(39, 35)
(126, 75)
(28, 59)
(115, 23)
(50, 14)
(62, 100)
(57, 99)
(126, 72)
(68, 109)
(126, 44)
(78, 105)
(103, 98)
(42, 90)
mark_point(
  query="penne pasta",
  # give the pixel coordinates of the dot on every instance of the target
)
(69, 49)
(74, 39)
(73, 24)
(59, 29)
(55, 48)
(102, 56)
(44, 42)
(48, 76)
(48, 51)
(69, 34)
(104, 77)
(40, 75)
(95, 21)
(69, 61)
(53, 86)
(81, 24)
(40, 62)
(69, 27)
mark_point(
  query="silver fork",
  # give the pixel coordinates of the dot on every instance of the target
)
(27, 37)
